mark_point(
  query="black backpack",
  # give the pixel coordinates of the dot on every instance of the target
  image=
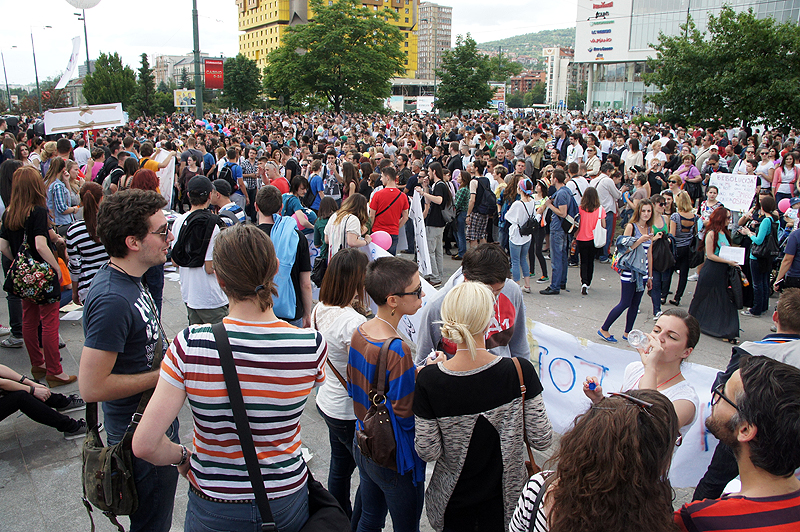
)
(227, 174)
(485, 200)
(189, 250)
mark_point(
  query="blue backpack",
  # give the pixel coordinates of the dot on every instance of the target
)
(285, 239)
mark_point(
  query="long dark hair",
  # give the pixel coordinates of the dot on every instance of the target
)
(91, 195)
(7, 170)
(590, 201)
(612, 467)
(344, 278)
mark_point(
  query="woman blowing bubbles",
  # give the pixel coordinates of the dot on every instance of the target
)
(673, 339)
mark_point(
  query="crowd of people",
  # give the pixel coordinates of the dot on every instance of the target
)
(262, 203)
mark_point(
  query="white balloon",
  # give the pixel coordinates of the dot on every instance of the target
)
(83, 4)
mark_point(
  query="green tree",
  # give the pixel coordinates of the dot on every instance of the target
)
(242, 86)
(576, 97)
(347, 54)
(164, 103)
(110, 82)
(162, 87)
(515, 100)
(503, 68)
(464, 78)
(184, 79)
(745, 68)
(536, 95)
(146, 89)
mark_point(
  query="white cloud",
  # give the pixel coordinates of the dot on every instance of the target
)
(165, 27)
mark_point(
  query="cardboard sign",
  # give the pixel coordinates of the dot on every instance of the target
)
(736, 191)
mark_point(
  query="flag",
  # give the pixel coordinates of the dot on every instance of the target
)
(73, 61)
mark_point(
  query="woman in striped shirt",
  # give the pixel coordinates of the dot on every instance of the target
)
(278, 366)
(86, 253)
(612, 470)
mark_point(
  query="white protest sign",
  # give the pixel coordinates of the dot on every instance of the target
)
(420, 235)
(166, 176)
(83, 117)
(564, 361)
(736, 191)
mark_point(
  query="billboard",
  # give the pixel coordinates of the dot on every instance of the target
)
(425, 104)
(183, 98)
(214, 73)
(499, 95)
(602, 33)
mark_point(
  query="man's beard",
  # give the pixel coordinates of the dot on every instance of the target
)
(724, 431)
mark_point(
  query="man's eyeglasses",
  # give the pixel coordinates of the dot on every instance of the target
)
(417, 292)
(164, 233)
(717, 394)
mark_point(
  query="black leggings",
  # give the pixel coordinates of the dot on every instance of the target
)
(587, 251)
(41, 412)
(682, 256)
(535, 251)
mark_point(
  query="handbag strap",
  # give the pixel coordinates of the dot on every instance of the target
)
(328, 359)
(523, 389)
(243, 426)
(538, 501)
(379, 384)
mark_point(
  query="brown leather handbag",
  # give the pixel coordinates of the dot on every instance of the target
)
(530, 464)
(376, 440)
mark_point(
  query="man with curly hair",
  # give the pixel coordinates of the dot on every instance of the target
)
(122, 333)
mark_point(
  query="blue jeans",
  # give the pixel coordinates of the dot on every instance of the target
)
(519, 260)
(153, 279)
(385, 490)
(411, 244)
(340, 434)
(660, 282)
(393, 248)
(559, 254)
(290, 514)
(606, 251)
(461, 233)
(155, 485)
(503, 234)
(760, 288)
(629, 299)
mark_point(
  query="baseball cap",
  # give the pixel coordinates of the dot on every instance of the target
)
(200, 185)
(222, 186)
(714, 147)
(794, 201)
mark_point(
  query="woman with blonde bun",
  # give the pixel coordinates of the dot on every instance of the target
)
(469, 420)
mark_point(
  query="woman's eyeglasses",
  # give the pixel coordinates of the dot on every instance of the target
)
(417, 292)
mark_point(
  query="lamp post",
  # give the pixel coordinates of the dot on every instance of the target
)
(8, 92)
(198, 84)
(36, 71)
(82, 16)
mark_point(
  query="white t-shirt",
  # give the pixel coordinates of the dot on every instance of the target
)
(683, 390)
(578, 185)
(517, 215)
(199, 289)
(337, 326)
(336, 233)
(764, 167)
(81, 155)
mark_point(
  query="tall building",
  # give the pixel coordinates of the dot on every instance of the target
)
(434, 34)
(263, 23)
(526, 80)
(168, 68)
(612, 39)
(558, 72)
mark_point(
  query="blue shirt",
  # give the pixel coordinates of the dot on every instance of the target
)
(561, 197)
(208, 162)
(791, 249)
(317, 186)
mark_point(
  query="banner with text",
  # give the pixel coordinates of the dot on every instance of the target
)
(736, 191)
(214, 73)
(564, 361)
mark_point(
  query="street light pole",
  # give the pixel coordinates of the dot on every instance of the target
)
(8, 92)
(82, 16)
(36, 73)
(198, 84)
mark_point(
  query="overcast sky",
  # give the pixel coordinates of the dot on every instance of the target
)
(165, 27)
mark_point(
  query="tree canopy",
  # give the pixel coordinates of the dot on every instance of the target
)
(110, 82)
(503, 68)
(464, 78)
(347, 54)
(745, 68)
(242, 85)
(146, 89)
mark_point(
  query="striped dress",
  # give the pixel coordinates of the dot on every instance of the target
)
(85, 256)
(278, 365)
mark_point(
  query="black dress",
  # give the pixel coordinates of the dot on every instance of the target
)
(711, 304)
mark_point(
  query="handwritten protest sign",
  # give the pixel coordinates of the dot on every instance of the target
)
(564, 361)
(736, 191)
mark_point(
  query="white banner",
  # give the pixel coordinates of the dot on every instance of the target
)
(736, 191)
(166, 176)
(83, 117)
(564, 361)
(424, 104)
(73, 62)
(420, 235)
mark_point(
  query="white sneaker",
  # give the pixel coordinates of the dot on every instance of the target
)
(12, 342)
(692, 277)
(5, 331)
(584, 289)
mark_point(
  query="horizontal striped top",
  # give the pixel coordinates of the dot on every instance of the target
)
(85, 256)
(278, 365)
(780, 513)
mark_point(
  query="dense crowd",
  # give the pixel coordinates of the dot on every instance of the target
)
(256, 209)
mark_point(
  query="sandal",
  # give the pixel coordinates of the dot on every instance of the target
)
(732, 341)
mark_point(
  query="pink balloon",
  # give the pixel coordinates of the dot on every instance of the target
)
(784, 204)
(199, 122)
(382, 239)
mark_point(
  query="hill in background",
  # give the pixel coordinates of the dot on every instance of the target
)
(527, 48)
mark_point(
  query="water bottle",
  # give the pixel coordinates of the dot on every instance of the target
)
(638, 340)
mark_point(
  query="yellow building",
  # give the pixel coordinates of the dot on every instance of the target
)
(263, 22)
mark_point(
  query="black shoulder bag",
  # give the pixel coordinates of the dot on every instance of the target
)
(325, 514)
(538, 502)
(107, 472)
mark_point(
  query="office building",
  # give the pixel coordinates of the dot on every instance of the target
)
(613, 37)
(525, 81)
(434, 37)
(263, 23)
